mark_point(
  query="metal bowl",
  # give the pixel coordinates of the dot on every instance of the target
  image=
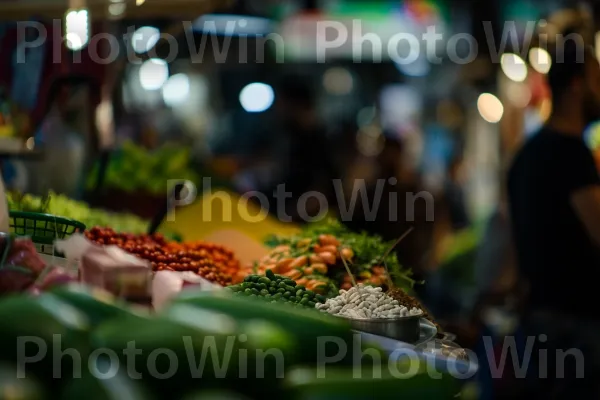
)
(404, 329)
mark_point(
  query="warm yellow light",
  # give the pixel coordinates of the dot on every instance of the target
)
(513, 67)
(540, 60)
(490, 107)
(545, 110)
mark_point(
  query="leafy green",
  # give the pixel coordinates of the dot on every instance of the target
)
(62, 206)
(146, 170)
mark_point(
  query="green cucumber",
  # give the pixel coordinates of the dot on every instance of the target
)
(97, 305)
(308, 327)
(350, 384)
(116, 387)
(42, 318)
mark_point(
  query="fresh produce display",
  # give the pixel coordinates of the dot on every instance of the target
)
(314, 259)
(146, 171)
(410, 302)
(201, 343)
(21, 265)
(222, 257)
(366, 302)
(212, 262)
(62, 206)
(277, 288)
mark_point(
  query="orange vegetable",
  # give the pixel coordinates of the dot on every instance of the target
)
(378, 270)
(327, 249)
(326, 240)
(294, 274)
(347, 253)
(281, 249)
(302, 281)
(320, 268)
(308, 270)
(328, 258)
(316, 285)
(299, 262)
(269, 266)
(265, 259)
(284, 264)
(315, 259)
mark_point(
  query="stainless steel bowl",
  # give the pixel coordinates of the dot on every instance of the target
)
(404, 329)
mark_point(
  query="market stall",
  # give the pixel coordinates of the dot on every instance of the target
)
(108, 287)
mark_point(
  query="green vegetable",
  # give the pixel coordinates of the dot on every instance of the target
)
(278, 288)
(342, 383)
(62, 206)
(97, 305)
(306, 326)
(42, 318)
(116, 387)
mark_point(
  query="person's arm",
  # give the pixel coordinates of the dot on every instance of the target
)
(586, 202)
(583, 185)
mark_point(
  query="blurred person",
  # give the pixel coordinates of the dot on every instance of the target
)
(303, 154)
(455, 194)
(63, 139)
(394, 205)
(554, 197)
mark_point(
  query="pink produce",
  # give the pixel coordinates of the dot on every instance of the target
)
(21, 267)
(15, 280)
(57, 276)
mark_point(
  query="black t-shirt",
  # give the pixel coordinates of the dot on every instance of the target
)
(554, 251)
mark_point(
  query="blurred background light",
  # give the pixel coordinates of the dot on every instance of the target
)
(418, 68)
(153, 74)
(490, 107)
(338, 81)
(514, 67)
(176, 90)
(540, 60)
(117, 9)
(77, 33)
(144, 39)
(519, 94)
(257, 97)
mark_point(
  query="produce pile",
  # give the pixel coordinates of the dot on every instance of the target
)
(212, 262)
(315, 258)
(410, 302)
(146, 170)
(62, 206)
(366, 302)
(216, 343)
(22, 269)
(276, 288)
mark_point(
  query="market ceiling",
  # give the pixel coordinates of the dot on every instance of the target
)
(15, 10)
